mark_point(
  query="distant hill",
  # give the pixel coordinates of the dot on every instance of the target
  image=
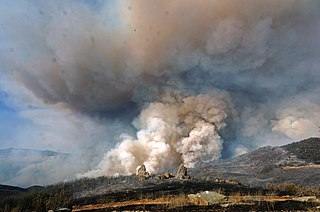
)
(27, 154)
(6, 190)
(14, 160)
(11, 189)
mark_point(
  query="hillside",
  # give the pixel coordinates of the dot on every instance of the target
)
(6, 190)
(290, 163)
(269, 178)
(308, 150)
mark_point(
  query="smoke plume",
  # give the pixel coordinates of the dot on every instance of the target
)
(162, 82)
(179, 130)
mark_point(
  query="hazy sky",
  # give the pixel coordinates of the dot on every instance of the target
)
(120, 83)
(16, 128)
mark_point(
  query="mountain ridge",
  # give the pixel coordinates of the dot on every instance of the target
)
(269, 164)
(14, 161)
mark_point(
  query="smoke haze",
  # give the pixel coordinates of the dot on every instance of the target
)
(118, 84)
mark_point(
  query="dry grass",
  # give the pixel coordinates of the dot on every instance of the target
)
(295, 189)
(266, 201)
(158, 201)
(179, 200)
(314, 166)
(175, 201)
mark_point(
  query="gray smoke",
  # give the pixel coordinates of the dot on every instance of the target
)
(197, 81)
(170, 132)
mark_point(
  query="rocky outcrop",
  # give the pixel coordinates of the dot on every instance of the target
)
(182, 172)
(166, 175)
(233, 182)
(141, 172)
(207, 198)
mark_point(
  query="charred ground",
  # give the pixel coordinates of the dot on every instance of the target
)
(308, 150)
(293, 163)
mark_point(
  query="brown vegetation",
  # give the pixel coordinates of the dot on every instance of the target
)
(294, 189)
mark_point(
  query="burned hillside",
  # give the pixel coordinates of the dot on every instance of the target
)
(293, 163)
(308, 149)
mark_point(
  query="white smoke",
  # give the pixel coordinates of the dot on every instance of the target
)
(185, 130)
(240, 150)
(298, 122)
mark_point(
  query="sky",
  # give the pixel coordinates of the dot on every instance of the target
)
(119, 83)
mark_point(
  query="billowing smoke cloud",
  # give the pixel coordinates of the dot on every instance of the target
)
(204, 80)
(179, 130)
(295, 120)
